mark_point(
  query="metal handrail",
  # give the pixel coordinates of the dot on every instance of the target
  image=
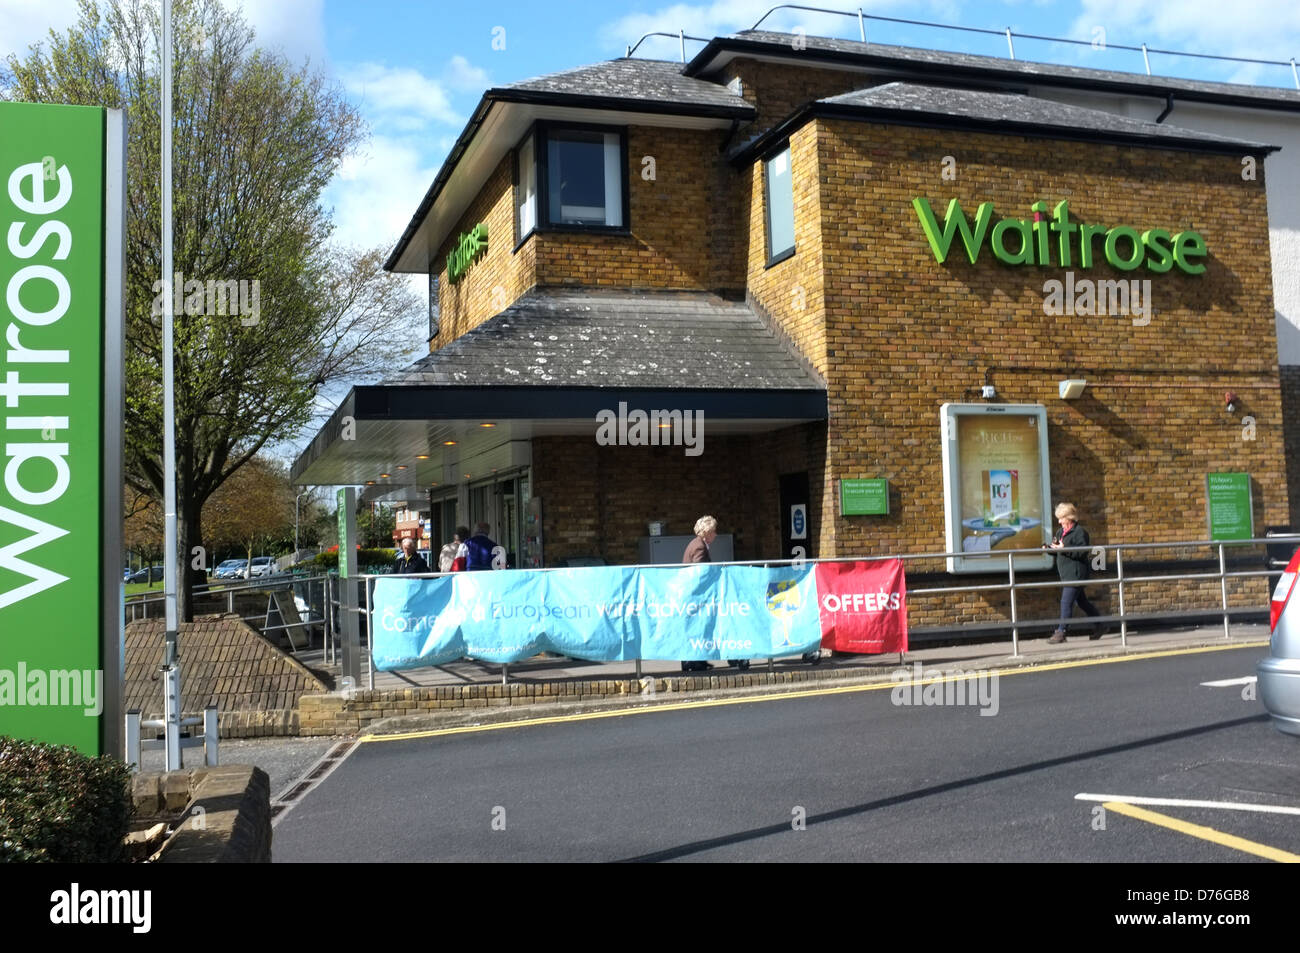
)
(1012, 586)
(1010, 35)
(680, 36)
(278, 581)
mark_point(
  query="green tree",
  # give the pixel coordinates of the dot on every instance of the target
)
(375, 525)
(252, 510)
(255, 143)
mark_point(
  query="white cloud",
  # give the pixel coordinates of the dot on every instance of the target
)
(1264, 29)
(464, 76)
(26, 22)
(399, 94)
(294, 27)
(377, 190)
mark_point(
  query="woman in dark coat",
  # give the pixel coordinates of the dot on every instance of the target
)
(1073, 568)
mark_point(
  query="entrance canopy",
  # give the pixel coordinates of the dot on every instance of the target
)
(550, 365)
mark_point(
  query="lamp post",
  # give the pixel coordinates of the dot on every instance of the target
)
(171, 656)
(295, 523)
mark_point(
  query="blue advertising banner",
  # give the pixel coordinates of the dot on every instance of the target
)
(605, 613)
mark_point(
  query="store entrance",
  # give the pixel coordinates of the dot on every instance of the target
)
(498, 504)
(795, 521)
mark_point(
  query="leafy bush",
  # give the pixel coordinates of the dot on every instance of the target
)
(368, 560)
(58, 805)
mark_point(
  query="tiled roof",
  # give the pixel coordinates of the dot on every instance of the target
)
(1016, 109)
(969, 65)
(652, 81)
(223, 662)
(582, 338)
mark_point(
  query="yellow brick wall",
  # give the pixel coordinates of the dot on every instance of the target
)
(494, 280)
(682, 234)
(905, 334)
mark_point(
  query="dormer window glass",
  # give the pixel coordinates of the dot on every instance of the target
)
(571, 178)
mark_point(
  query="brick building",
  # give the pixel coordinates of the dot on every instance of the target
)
(739, 242)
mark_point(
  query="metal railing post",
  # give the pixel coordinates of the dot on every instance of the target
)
(210, 736)
(370, 639)
(171, 708)
(1015, 617)
(505, 673)
(1123, 620)
(133, 739)
(1223, 588)
(638, 670)
(230, 601)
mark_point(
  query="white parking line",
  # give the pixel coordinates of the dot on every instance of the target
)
(1225, 682)
(1179, 802)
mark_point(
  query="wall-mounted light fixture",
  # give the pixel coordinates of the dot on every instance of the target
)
(1230, 399)
(1070, 389)
(988, 392)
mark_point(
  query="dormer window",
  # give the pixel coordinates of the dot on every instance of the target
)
(571, 178)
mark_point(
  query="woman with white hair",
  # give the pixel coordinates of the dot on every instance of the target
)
(697, 551)
(1073, 568)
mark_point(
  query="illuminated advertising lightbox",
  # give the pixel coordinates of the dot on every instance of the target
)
(997, 490)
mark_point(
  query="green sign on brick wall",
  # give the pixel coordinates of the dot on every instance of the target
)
(1228, 506)
(864, 497)
(62, 174)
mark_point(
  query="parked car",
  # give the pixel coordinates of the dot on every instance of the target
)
(260, 566)
(228, 569)
(152, 574)
(1279, 674)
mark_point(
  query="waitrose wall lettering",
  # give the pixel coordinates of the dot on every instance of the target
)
(469, 247)
(1052, 239)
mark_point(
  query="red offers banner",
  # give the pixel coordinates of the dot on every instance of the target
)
(863, 606)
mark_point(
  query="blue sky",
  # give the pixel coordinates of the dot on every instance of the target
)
(417, 68)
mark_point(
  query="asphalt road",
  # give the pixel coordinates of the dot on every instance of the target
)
(871, 780)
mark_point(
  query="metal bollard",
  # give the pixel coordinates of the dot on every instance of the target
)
(210, 736)
(1015, 618)
(133, 739)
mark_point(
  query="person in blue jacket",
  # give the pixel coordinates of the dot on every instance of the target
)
(478, 548)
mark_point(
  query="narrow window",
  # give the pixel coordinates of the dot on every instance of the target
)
(526, 190)
(779, 189)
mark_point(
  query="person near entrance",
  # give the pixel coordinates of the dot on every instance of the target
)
(697, 551)
(447, 555)
(409, 560)
(1073, 568)
(478, 549)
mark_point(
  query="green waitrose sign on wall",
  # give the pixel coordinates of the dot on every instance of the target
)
(62, 177)
(1050, 238)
